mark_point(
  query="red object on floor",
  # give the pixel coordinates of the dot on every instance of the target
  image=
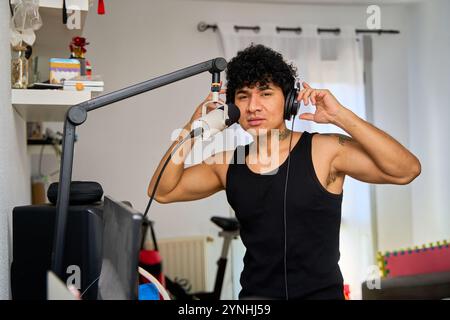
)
(151, 261)
(101, 7)
(347, 291)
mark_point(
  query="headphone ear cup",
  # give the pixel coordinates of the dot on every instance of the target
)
(291, 105)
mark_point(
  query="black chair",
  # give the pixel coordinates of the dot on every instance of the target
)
(33, 231)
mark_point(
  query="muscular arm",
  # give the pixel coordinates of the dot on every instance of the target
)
(371, 155)
(196, 182)
(180, 184)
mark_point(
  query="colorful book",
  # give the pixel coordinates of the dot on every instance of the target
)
(62, 69)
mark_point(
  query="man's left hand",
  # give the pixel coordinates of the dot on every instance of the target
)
(327, 106)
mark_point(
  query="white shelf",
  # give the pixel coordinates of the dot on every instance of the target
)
(82, 5)
(46, 105)
(52, 41)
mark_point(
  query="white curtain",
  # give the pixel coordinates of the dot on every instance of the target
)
(327, 61)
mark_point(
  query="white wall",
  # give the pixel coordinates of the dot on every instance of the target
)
(14, 165)
(150, 38)
(136, 42)
(390, 113)
(429, 117)
(121, 145)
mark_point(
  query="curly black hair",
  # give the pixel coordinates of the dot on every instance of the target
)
(258, 64)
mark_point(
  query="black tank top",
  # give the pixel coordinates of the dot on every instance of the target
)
(313, 218)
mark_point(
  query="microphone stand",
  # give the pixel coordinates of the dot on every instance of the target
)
(77, 115)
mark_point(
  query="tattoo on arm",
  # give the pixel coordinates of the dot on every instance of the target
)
(342, 138)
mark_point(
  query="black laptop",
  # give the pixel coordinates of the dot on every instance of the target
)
(121, 244)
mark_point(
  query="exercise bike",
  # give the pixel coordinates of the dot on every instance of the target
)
(230, 231)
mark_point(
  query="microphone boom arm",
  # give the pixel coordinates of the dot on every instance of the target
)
(77, 115)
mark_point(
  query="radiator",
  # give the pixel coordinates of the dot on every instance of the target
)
(187, 258)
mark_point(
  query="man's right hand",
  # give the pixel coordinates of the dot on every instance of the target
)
(180, 184)
(211, 106)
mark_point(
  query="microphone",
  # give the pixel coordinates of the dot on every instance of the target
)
(217, 120)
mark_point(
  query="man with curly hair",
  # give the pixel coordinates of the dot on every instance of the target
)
(290, 231)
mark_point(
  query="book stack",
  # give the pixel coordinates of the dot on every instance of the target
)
(84, 83)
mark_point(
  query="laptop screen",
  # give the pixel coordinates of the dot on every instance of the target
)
(121, 244)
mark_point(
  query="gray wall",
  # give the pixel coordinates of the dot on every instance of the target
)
(390, 113)
(429, 117)
(14, 164)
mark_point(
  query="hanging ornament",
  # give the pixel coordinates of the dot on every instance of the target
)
(24, 22)
(64, 12)
(101, 7)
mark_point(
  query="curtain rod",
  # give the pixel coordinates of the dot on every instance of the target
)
(203, 26)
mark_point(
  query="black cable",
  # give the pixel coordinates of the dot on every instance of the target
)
(89, 286)
(284, 213)
(194, 133)
(41, 154)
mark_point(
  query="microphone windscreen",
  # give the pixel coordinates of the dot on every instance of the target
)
(233, 114)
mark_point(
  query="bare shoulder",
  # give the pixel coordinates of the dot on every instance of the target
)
(220, 158)
(328, 146)
(332, 139)
(333, 142)
(219, 163)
